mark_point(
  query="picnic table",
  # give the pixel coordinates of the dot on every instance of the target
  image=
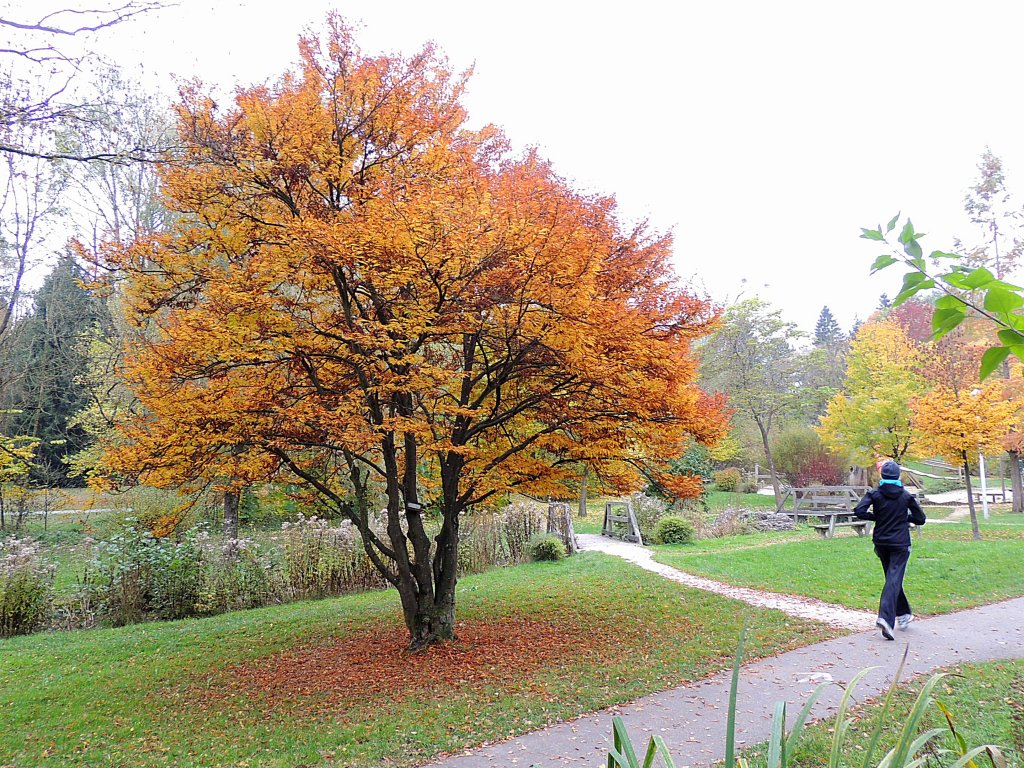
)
(991, 494)
(830, 505)
(832, 520)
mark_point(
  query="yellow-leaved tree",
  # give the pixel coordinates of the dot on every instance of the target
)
(872, 416)
(365, 296)
(960, 417)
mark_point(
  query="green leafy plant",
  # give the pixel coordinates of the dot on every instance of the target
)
(546, 547)
(25, 587)
(673, 530)
(959, 283)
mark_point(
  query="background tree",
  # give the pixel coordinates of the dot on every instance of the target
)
(988, 204)
(958, 424)
(751, 359)
(872, 417)
(362, 294)
(827, 332)
(45, 356)
(43, 56)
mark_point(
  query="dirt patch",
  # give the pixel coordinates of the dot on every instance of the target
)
(375, 664)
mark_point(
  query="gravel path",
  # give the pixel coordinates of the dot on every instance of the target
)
(804, 607)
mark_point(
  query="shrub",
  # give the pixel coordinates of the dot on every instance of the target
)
(25, 587)
(648, 511)
(241, 574)
(136, 576)
(546, 548)
(728, 480)
(673, 530)
(800, 455)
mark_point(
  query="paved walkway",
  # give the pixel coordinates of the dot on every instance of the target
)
(691, 718)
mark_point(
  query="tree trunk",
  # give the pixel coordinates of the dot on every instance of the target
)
(975, 530)
(231, 499)
(1016, 483)
(583, 492)
(771, 462)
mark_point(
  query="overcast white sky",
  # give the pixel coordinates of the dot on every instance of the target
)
(763, 134)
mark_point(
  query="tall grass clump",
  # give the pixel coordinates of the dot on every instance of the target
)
(521, 522)
(481, 542)
(321, 560)
(25, 587)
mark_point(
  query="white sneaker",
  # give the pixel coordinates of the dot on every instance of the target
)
(904, 620)
(883, 625)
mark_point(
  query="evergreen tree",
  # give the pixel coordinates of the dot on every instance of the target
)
(45, 358)
(827, 332)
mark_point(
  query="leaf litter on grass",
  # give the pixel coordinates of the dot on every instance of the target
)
(374, 664)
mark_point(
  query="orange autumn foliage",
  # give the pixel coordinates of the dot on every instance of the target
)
(364, 295)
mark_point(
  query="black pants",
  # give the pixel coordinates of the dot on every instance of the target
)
(893, 602)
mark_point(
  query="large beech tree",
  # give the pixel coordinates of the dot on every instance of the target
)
(363, 294)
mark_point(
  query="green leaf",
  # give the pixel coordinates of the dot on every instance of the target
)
(949, 302)
(992, 359)
(892, 223)
(882, 262)
(908, 233)
(913, 249)
(871, 234)
(943, 255)
(912, 283)
(978, 278)
(1011, 338)
(945, 320)
(957, 280)
(730, 722)
(777, 740)
(1000, 300)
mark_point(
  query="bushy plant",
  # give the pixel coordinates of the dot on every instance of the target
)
(728, 480)
(648, 511)
(800, 455)
(136, 575)
(521, 521)
(546, 548)
(673, 530)
(241, 574)
(25, 587)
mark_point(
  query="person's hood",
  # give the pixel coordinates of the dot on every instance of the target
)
(890, 490)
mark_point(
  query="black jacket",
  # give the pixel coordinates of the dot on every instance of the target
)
(892, 509)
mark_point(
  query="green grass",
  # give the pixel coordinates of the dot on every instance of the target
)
(986, 700)
(169, 694)
(947, 571)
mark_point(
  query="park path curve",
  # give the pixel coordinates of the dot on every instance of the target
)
(802, 607)
(692, 718)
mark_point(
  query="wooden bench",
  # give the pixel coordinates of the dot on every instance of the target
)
(828, 530)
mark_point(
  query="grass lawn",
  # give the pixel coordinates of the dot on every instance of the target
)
(326, 683)
(947, 570)
(986, 700)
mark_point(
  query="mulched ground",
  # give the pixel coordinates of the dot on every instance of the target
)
(373, 664)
